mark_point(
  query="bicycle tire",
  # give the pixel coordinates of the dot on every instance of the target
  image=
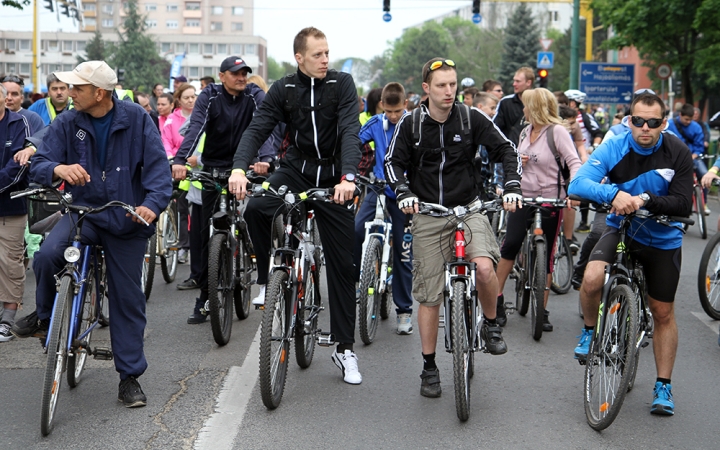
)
(522, 295)
(501, 228)
(385, 302)
(277, 232)
(220, 289)
(700, 209)
(370, 299)
(104, 319)
(537, 297)
(611, 357)
(305, 339)
(274, 327)
(460, 351)
(170, 241)
(709, 278)
(562, 266)
(56, 354)
(86, 318)
(241, 294)
(148, 269)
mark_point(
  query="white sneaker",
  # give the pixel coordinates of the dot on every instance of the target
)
(5, 334)
(707, 211)
(260, 299)
(347, 362)
(404, 324)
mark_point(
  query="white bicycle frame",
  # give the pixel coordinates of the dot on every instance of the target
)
(384, 225)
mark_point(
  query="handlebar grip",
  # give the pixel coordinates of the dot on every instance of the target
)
(685, 220)
(331, 191)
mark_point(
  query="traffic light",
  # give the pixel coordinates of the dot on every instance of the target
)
(476, 7)
(386, 5)
(543, 77)
(120, 75)
(49, 5)
(678, 86)
(64, 9)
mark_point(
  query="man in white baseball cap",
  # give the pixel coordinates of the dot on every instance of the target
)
(97, 73)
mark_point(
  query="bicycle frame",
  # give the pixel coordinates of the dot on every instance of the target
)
(382, 225)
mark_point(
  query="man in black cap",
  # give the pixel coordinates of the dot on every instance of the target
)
(178, 80)
(222, 111)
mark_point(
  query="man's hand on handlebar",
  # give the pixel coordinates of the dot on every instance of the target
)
(237, 184)
(179, 172)
(708, 178)
(261, 168)
(344, 192)
(74, 174)
(625, 203)
(144, 212)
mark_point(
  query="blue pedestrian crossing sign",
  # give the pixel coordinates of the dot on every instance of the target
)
(545, 60)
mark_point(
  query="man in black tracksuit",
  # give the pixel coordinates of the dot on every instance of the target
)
(223, 112)
(319, 107)
(510, 117)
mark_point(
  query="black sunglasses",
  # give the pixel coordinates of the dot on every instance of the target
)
(13, 79)
(651, 123)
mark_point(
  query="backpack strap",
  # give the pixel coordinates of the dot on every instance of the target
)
(416, 122)
(551, 143)
(290, 93)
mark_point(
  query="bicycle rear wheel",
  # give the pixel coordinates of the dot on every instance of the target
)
(305, 333)
(537, 292)
(611, 358)
(700, 210)
(709, 278)
(86, 318)
(220, 288)
(241, 294)
(562, 266)
(461, 351)
(148, 268)
(274, 339)
(370, 298)
(170, 240)
(56, 354)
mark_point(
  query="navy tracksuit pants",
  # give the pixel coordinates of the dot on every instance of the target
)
(123, 262)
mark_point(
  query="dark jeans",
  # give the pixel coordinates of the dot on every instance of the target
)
(184, 210)
(195, 242)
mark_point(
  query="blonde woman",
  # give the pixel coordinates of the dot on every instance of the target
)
(539, 179)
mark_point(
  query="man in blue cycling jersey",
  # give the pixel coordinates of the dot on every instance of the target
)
(648, 169)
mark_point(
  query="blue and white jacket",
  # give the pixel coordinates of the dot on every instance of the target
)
(374, 131)
(664, 172)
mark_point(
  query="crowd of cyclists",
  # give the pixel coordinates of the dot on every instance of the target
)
(455, 144)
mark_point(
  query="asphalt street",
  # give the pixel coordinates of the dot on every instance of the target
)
(204, 396)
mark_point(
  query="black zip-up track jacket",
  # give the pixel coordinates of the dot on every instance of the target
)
(448, 177)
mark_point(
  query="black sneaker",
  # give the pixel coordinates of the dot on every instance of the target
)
(430, 386)
(573, 244)
(130, 393)
(576, 280)
(31, 326)
(583, 228)
(188, 284)
(547, 326)
(492, 335)
(501, 315)
(199, 314)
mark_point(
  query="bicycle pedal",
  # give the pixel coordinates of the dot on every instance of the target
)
(104, 354)
(644, 344)
(325, 339)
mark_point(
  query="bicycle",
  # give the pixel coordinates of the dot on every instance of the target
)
(231, 257)
(163, 243)
(624, 321)
(530, 268)
(77, 308)
(292, 298)
(709, 275)
(462, 310)
(376, 263)
(562, 265)
(698, 201)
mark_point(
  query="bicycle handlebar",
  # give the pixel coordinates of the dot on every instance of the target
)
(372, 181)
(474, 207)
(645, 214)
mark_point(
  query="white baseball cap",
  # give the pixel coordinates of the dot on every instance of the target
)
(97, 73)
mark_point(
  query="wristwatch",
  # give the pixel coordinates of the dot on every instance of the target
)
(644, 197)
(348, 177)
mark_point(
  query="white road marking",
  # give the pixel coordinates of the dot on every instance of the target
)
(702, 317)
(223, 425)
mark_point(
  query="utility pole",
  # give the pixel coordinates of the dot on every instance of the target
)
(575, 46)
(36, 47)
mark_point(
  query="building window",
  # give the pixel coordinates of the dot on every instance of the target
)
(171, 24)
(250, 49)
(222, 49)
(66, 67)
(192, 6)
(194, 72)
(237, 49)
(151, 23)
(194, 23)
(10, 44)
(207, 49)
(53, 46)
(236, 26)
(90, 22)
(80, 46)
(11, 68)
(89, 7)
(25, 45)
(25, 68)
(67, 46)
(217, 10)
(215, 26)
(126, 6)
(208, 72)
(150, 7)
(172, 7)
(553, 16)
(54, 68)
(237, 11)
(194, 48)
(108, 9)
(107, 23)
(166, 47)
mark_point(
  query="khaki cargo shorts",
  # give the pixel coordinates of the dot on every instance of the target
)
(430, 252)
(12, 267)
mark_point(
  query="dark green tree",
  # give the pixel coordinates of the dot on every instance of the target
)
(413, 49)
(522, 43)
(378, 77)
(559, 79)
(136, 52)
(19, 4)
(95, 49)
(476, 51)
(274, 69)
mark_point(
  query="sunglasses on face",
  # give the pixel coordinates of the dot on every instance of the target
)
(651, 123)
(13, 79)
(438, 64)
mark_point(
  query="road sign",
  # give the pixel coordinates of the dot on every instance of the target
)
(545, 60)
(546, 43)
(607, 83)
(663, 71)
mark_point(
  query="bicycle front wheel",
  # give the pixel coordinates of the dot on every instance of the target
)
(220, 288)
(170, 240)
(537, 291)
(56, 354)
(86, 318)
(611, 358)
(709, 278)
(306, 328)
(274, 339)
(241, 294)
(369, 300)
(148, 268)
(460, 350)
(562, 266)
(700, 210)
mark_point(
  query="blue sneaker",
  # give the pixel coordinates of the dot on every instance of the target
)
(663, 402)
(583, 346)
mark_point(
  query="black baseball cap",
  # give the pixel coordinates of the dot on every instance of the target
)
(233, 64)
(180, 78)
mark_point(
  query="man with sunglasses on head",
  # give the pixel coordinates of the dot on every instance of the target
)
(645, 169)
(431, 159)
(14, 86)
